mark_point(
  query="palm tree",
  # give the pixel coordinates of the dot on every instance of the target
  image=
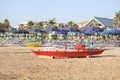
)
(1, 26)
(21, 26)
(30, 23)
(51, 22)
(72, 24)
(38, 25)
(6, 24)
(116, 20)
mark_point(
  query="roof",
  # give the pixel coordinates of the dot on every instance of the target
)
(84, 22)
(105, 21)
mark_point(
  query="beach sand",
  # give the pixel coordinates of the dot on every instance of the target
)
(19, 63)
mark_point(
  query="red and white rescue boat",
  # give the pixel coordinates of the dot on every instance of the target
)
(78, 51)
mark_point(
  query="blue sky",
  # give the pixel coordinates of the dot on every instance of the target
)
(17, 11)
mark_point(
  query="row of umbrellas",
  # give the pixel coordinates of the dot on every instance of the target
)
(61, 30)
(85, 30)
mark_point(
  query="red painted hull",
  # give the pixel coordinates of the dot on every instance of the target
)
(68, 53)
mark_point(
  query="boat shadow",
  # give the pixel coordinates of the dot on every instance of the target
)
(93, 56)
(96, 56)
(103, 56)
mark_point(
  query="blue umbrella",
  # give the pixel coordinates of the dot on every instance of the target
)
(91, 28)
(105, 32)
(21, 31)
(89, 32)
(1, 30)
(49, 29)
(34, 30)
(67, 28)
(112, 31)
(60, 32)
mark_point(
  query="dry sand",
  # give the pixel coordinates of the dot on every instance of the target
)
(18, 63)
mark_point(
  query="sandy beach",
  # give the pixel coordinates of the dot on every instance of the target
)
(19, 63)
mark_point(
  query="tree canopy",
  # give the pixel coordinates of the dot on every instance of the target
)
(116, 20)
(5, 25)
(30, 23)
(72, 24)
(51, 22)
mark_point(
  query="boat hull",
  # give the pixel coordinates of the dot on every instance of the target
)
(67, 53)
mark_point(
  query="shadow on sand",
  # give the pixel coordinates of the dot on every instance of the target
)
(95, 56)
(102, 56)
